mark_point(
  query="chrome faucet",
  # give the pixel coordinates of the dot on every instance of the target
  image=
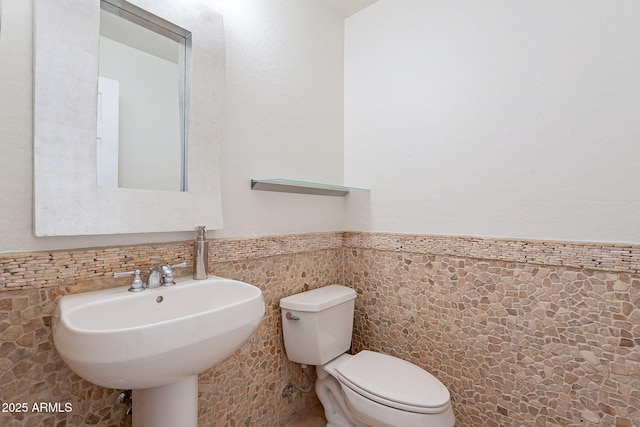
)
(159, 275)
(162, 275)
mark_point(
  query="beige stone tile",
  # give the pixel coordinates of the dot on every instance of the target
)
(523, 333)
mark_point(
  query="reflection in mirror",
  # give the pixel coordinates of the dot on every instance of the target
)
(142, 93)
(67, 199)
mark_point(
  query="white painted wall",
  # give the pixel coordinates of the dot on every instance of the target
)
(283, 118)
(499, 118)
(495, 118)
(283, 114)
(149, 155)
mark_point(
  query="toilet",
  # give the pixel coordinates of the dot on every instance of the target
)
(366, 389)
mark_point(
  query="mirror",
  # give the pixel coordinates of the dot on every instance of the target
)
(67, 197)
(140, 117)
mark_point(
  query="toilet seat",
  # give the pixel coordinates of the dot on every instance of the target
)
(394, 382)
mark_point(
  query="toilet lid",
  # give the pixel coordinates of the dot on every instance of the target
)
(394, 382)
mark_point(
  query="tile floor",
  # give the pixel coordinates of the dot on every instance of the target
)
(310, 419)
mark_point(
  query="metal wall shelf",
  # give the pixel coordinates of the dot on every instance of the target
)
(302, 187)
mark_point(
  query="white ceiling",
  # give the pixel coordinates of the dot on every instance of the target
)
(349, 7)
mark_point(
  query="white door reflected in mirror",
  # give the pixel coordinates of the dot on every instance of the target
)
(144, 141)
(108, 126)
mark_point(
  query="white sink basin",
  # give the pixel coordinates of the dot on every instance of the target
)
(126, 340)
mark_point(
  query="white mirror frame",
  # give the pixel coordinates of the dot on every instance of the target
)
(67, 200)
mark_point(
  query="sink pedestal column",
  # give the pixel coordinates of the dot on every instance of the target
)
(169, 405)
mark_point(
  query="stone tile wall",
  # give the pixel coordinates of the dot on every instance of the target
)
(591, 256)
(516, 343)
(523, 333)
(243, 390)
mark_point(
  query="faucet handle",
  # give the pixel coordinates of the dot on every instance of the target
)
(137, 284)
(167, 273)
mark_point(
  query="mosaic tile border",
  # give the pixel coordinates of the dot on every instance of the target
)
(258, 247)
(593, 256)
(33, 270)
(54, 268)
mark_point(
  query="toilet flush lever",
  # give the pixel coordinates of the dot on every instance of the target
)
(291, 316)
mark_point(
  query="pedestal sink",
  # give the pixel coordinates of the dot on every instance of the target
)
(156, 341)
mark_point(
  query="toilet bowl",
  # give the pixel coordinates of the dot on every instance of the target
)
(375, 389)
(366, 389)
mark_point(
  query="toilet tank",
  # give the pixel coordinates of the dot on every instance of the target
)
(320, 324)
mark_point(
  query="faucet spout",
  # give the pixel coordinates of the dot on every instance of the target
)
(162, 275)
(155, 278)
